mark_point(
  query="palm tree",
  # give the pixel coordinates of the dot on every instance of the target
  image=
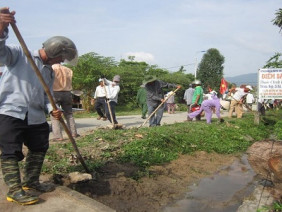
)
(278, 19)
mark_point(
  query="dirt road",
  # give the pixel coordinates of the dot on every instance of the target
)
(85, 125)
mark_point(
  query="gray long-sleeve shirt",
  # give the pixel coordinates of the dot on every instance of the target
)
(21, 92)
(155, 92)
(188, 95)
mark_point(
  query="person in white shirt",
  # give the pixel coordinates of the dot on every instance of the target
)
(113, 89)
(250, 99)
(100, 100)
(237, 101)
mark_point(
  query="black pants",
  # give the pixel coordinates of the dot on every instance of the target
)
(15, 132)
(113, 110)
(261, 109)
(100, 106)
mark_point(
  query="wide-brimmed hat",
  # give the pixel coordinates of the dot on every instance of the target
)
(225, 104)
(149, 78)
(116, 78)
(213, 92)
(197, 82)
(249, 87)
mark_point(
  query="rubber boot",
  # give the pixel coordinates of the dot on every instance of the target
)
(32, 170)
(11, 174)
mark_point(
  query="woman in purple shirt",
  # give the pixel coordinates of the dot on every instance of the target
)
(207, 106)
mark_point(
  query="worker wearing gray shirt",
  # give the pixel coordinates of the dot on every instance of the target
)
(155, 96)
(188, 96)
(23, 104)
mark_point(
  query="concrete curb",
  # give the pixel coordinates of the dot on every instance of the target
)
(63, 199)
(81, 199)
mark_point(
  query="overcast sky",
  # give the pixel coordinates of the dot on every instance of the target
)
(167, 33)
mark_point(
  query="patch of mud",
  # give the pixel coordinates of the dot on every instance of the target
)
(115, 186)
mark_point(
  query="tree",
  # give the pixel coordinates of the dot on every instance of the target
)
(132, 74)
(92, 66)
(278, 19)
(210, 70)
(274, 62)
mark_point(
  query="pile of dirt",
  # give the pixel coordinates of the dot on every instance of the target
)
(115, 185)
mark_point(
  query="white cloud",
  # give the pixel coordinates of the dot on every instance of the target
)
(140, 56)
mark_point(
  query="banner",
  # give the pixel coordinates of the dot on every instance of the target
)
(270, 83)
(223, 86)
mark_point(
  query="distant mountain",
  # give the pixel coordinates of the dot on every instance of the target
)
(247, 79)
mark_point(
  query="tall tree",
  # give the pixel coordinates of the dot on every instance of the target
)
(278, 19)
(132, 74)
(210, 70)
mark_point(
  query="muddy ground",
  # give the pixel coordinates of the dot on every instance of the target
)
(115, 185)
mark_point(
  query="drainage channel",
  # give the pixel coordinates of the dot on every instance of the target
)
(223, 192)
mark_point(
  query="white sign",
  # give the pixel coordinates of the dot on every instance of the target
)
(270, 83)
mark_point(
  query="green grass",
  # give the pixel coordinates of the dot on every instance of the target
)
(150, 146)
(164, 144)
(275, 207)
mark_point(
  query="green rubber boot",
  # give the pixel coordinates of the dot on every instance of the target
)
(32, 170)
(11, 174)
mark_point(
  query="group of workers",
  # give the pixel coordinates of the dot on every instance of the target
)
(24, 103)
(151, 95)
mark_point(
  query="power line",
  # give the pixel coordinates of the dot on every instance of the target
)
(180, 66)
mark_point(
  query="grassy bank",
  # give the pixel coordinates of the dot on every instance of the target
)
(158, 145)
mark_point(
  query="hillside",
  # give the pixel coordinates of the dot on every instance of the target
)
(249, 79)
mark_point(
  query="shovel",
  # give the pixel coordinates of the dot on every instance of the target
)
(47, 91)
(153, 113)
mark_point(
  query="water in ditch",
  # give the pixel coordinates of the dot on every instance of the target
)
(223, 192)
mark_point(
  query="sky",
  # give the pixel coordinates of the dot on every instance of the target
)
(166, 33)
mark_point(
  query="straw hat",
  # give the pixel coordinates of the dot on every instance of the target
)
(149, 78)
(225, 104)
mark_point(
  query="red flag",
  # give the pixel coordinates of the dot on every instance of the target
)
(223, 86)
